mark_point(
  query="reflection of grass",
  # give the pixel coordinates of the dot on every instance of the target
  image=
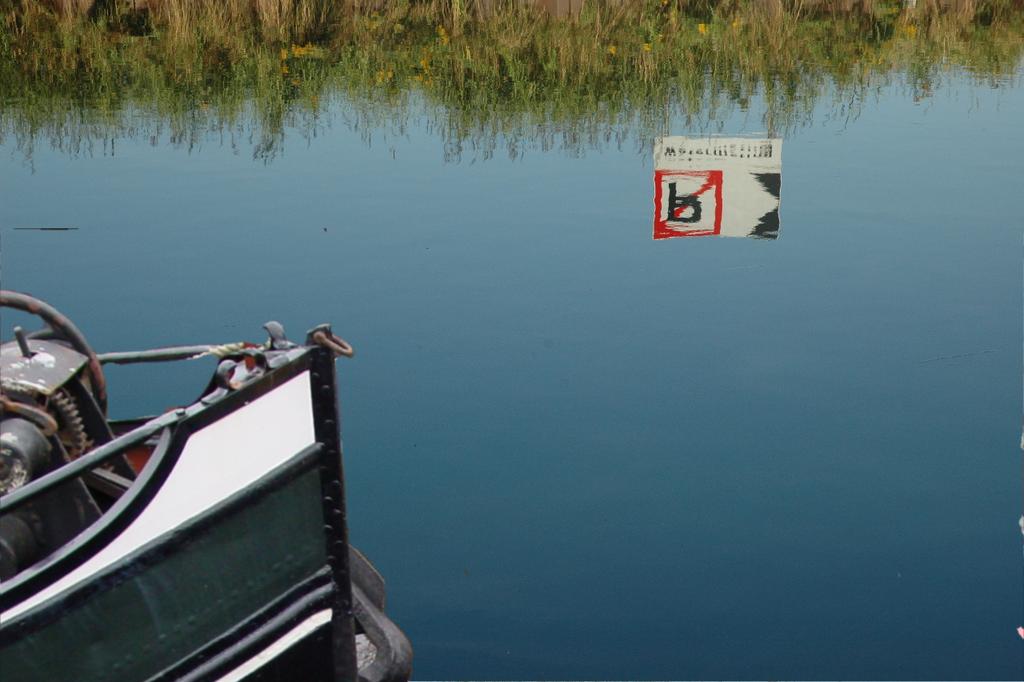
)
(486, 71)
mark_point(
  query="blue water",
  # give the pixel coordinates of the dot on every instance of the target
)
(576, 452)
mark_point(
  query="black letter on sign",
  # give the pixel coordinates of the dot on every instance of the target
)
(678, 204)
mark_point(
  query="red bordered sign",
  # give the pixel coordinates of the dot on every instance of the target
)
(687, 203)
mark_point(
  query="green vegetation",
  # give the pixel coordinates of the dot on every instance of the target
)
(85, 72)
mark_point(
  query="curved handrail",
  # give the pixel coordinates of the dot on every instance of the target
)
(88, 461)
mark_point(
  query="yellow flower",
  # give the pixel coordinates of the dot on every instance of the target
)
(647, 47)
(612, 50)
(702, 28)
(306, 50)
(911, 31)
(284, 54)
(735, 23)
(442, 35)
(284, 68)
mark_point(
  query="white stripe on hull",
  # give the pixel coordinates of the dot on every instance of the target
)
(285, 642)
(216, 462)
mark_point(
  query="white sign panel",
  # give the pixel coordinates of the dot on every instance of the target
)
(719, 186)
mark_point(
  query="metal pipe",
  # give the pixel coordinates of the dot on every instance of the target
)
(167, 354)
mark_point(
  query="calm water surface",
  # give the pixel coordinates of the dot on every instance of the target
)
(578, 452)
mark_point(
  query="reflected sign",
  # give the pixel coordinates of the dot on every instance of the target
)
(725, 186)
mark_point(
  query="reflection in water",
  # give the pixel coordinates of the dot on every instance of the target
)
(562, 8)
(515, 76)
(726, 187)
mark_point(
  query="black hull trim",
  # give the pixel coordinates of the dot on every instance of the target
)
(253, 636)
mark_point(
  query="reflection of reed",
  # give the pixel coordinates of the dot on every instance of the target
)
(277, 11)
(486, 72)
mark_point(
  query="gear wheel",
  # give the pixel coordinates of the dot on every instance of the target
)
(72, 432)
